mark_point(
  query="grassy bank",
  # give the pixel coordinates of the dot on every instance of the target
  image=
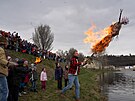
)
(89, 85)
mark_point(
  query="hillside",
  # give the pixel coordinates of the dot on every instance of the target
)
(89, 86)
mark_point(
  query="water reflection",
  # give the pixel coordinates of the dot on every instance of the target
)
(118, 86)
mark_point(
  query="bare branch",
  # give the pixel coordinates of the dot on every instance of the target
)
(43, 37)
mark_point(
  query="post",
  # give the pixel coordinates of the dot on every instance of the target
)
(121, 10)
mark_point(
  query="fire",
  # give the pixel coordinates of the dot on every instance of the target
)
(38, 60)
(99, 40)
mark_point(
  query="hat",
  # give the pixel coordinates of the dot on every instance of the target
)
(26, 62)
(16, 59)
(32, 65)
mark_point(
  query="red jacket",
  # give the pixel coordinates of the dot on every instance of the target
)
(74, 64)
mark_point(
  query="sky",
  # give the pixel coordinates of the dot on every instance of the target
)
(69, 20)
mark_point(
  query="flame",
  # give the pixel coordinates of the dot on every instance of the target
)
(99, 40)
(38, 60)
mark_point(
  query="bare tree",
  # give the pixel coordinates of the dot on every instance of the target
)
(43, 37)
(70, 54)
(61, 53)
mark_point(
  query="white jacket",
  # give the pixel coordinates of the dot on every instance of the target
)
(43, 76)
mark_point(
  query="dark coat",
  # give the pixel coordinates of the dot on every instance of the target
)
(33, 75)
(16, 75)
(58, 73)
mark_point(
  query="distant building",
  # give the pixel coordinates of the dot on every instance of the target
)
(95, 64)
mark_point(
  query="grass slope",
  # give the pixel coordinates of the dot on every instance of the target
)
(89, 86)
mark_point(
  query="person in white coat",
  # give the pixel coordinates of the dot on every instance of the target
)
(43, 79)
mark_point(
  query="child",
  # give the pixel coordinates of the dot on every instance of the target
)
(27, 75)
(66, 75)
(43, 79)
(33, 79)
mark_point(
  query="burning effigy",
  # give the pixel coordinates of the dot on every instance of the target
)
(101, 39)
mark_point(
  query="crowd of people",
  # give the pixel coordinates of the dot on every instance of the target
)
(15, 42)
(23, 78)
(16, 76)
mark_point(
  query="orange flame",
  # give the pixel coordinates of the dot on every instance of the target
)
(38, 60)
(98, 40)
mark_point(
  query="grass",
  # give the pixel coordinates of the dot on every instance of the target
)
(89, 88)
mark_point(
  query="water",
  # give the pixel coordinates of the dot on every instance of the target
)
(118, 86)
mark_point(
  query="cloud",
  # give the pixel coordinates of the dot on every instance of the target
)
(69, 19)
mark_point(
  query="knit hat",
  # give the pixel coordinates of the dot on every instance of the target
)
(32, 65)
(16, 59)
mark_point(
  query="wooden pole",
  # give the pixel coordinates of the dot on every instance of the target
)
(121, 10)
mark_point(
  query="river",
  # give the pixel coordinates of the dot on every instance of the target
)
(118, 86)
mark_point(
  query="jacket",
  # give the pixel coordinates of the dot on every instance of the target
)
(43, 76)
(3, 63)
(34, 75)
(58, 73)
(66, 74)
(74, 66)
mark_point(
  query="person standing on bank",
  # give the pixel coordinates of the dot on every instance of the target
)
(73, 75)
(4, 63)
(59, 75)
(66, 75)
(43, 79)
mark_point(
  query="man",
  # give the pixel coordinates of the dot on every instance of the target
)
(73, 75)
(3, 70)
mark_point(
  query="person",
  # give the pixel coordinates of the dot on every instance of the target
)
(34, 78)
(58, 75)
(10, 81)
(4, 63)
(14, 79)
(73, 75)
(43, 79)
(26, 80)
(18, 77)
(66, 75)
(24, 76)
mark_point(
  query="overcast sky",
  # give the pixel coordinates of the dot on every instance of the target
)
(69, 20)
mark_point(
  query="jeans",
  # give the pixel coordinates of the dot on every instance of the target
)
(73, 79)
(33, 87)
(21, 87)
(3, 89)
